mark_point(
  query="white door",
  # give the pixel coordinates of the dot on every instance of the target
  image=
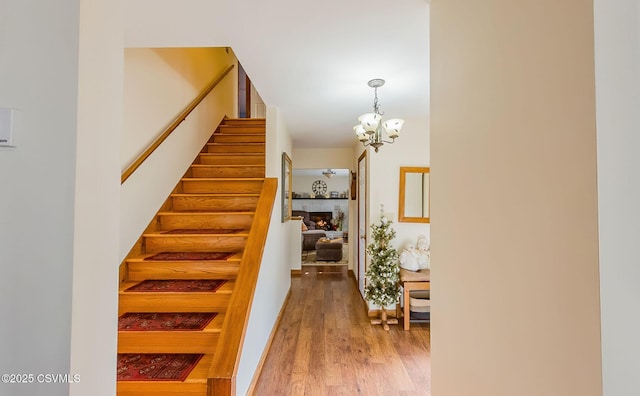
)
(362, 220)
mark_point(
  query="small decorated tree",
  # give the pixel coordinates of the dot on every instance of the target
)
(383, 273)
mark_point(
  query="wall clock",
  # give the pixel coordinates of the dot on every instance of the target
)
(319, 187)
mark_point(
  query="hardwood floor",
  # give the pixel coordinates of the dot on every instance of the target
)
(325, 345)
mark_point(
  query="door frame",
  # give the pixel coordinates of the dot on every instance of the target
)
(362, 200)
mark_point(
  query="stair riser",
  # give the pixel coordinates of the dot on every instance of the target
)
(245, 121)
(214, 203)
(167, 342)
(194, 243)
(230, 159)
(233, 138)
(235, 148)
(183, 270)
(245, 171)
(161, 388)
(173, 302)
(241, 129)
(195, 186)
(194, 221)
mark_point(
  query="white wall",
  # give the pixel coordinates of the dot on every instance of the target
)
(617, 54)
(274, 280)
(514, 253)
(38, 76)
(159, 84)
(322, 158)
(410, 149)
(303, 183)
(97, 199)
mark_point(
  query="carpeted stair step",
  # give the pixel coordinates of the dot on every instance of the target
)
(199, 170)
(163, 299)
(231, 159)
(184, 265)
(195, 382)
(209, 220)
(214, 202)
(184, 332)
(235, 148)
(221, 185)
(195, 240)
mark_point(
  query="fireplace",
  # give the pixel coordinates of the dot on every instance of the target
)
(326, 216)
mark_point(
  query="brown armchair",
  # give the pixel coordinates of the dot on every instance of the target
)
(312, 235)
(306, 218)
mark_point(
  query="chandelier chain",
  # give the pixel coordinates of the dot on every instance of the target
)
(376, 106)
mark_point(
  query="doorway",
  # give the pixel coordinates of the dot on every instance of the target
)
(321, 198)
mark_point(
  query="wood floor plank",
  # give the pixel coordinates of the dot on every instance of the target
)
(325, 345)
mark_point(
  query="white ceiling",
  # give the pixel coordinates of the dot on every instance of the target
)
(312, 60)
(318, 172)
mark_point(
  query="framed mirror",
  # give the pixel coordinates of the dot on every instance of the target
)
(286, 187)
(414, 195)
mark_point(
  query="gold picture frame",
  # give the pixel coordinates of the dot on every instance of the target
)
(414, 202)
(287, 171)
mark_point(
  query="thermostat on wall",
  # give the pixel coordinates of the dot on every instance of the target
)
(7, 121)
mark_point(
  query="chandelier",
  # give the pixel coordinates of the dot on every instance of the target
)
(328, 173)
(370, 130)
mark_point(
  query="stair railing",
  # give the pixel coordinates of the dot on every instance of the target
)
(172, 127)
(224, 368)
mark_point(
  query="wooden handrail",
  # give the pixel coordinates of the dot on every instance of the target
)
(222, 375)
(177, 121)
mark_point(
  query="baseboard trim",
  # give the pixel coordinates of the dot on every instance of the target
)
(267, 348)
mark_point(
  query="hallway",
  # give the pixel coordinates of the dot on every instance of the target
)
(325, 345)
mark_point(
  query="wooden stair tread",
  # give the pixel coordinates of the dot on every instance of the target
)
(244, 119)
(244, 171)
(214, 195)
(197, 375)
(227, 288)
(239, 134)
(227, 158)
(167, 234)
(238, 179)
(214, 326)
(142, 258)
(238, 144)
(232, 154)
(207, 213)
(231, 166)
(241, 129)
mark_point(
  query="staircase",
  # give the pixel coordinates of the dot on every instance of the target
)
(178, 281)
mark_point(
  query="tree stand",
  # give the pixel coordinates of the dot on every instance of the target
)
(384, 320)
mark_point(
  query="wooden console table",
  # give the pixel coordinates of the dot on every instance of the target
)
(410, 280)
